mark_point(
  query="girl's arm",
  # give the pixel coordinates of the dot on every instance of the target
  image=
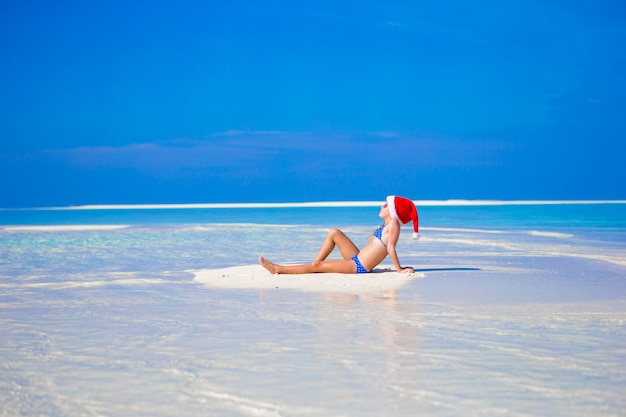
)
(394, 235)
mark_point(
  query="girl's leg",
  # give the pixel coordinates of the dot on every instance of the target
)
(337, 238)
(338, 266)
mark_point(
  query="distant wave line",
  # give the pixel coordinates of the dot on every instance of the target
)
(330, 204)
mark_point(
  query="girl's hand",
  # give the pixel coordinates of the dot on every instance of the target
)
(408, 269)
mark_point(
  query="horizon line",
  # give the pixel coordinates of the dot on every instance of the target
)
(322, 204)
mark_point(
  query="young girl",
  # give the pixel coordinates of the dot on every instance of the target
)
(396, 210)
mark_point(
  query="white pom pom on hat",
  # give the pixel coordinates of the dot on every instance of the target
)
(403, 210)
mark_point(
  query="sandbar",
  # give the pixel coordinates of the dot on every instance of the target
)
(381, 280)
(64, 228)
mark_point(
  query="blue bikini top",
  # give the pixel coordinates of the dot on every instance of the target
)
(378, 233)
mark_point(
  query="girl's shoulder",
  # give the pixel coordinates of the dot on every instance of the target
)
(393, 224)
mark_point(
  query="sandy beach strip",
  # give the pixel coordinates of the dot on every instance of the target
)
(330, 204)
(63, 228)
(382, 280)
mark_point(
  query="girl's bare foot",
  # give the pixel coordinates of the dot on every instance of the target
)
(271, 267)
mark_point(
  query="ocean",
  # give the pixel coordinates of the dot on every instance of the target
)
(519, 310)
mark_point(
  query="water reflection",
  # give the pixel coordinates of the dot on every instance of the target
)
(354, 349)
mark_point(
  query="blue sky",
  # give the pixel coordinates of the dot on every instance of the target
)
(249, 101)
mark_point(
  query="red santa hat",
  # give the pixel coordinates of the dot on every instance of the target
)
(403, 210)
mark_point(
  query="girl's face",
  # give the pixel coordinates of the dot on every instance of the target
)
(384, 211)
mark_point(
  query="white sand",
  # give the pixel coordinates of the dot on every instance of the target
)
(326, 204)
(64, 228)
(382, 280)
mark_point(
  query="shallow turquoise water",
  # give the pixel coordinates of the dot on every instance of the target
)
(520, 314)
